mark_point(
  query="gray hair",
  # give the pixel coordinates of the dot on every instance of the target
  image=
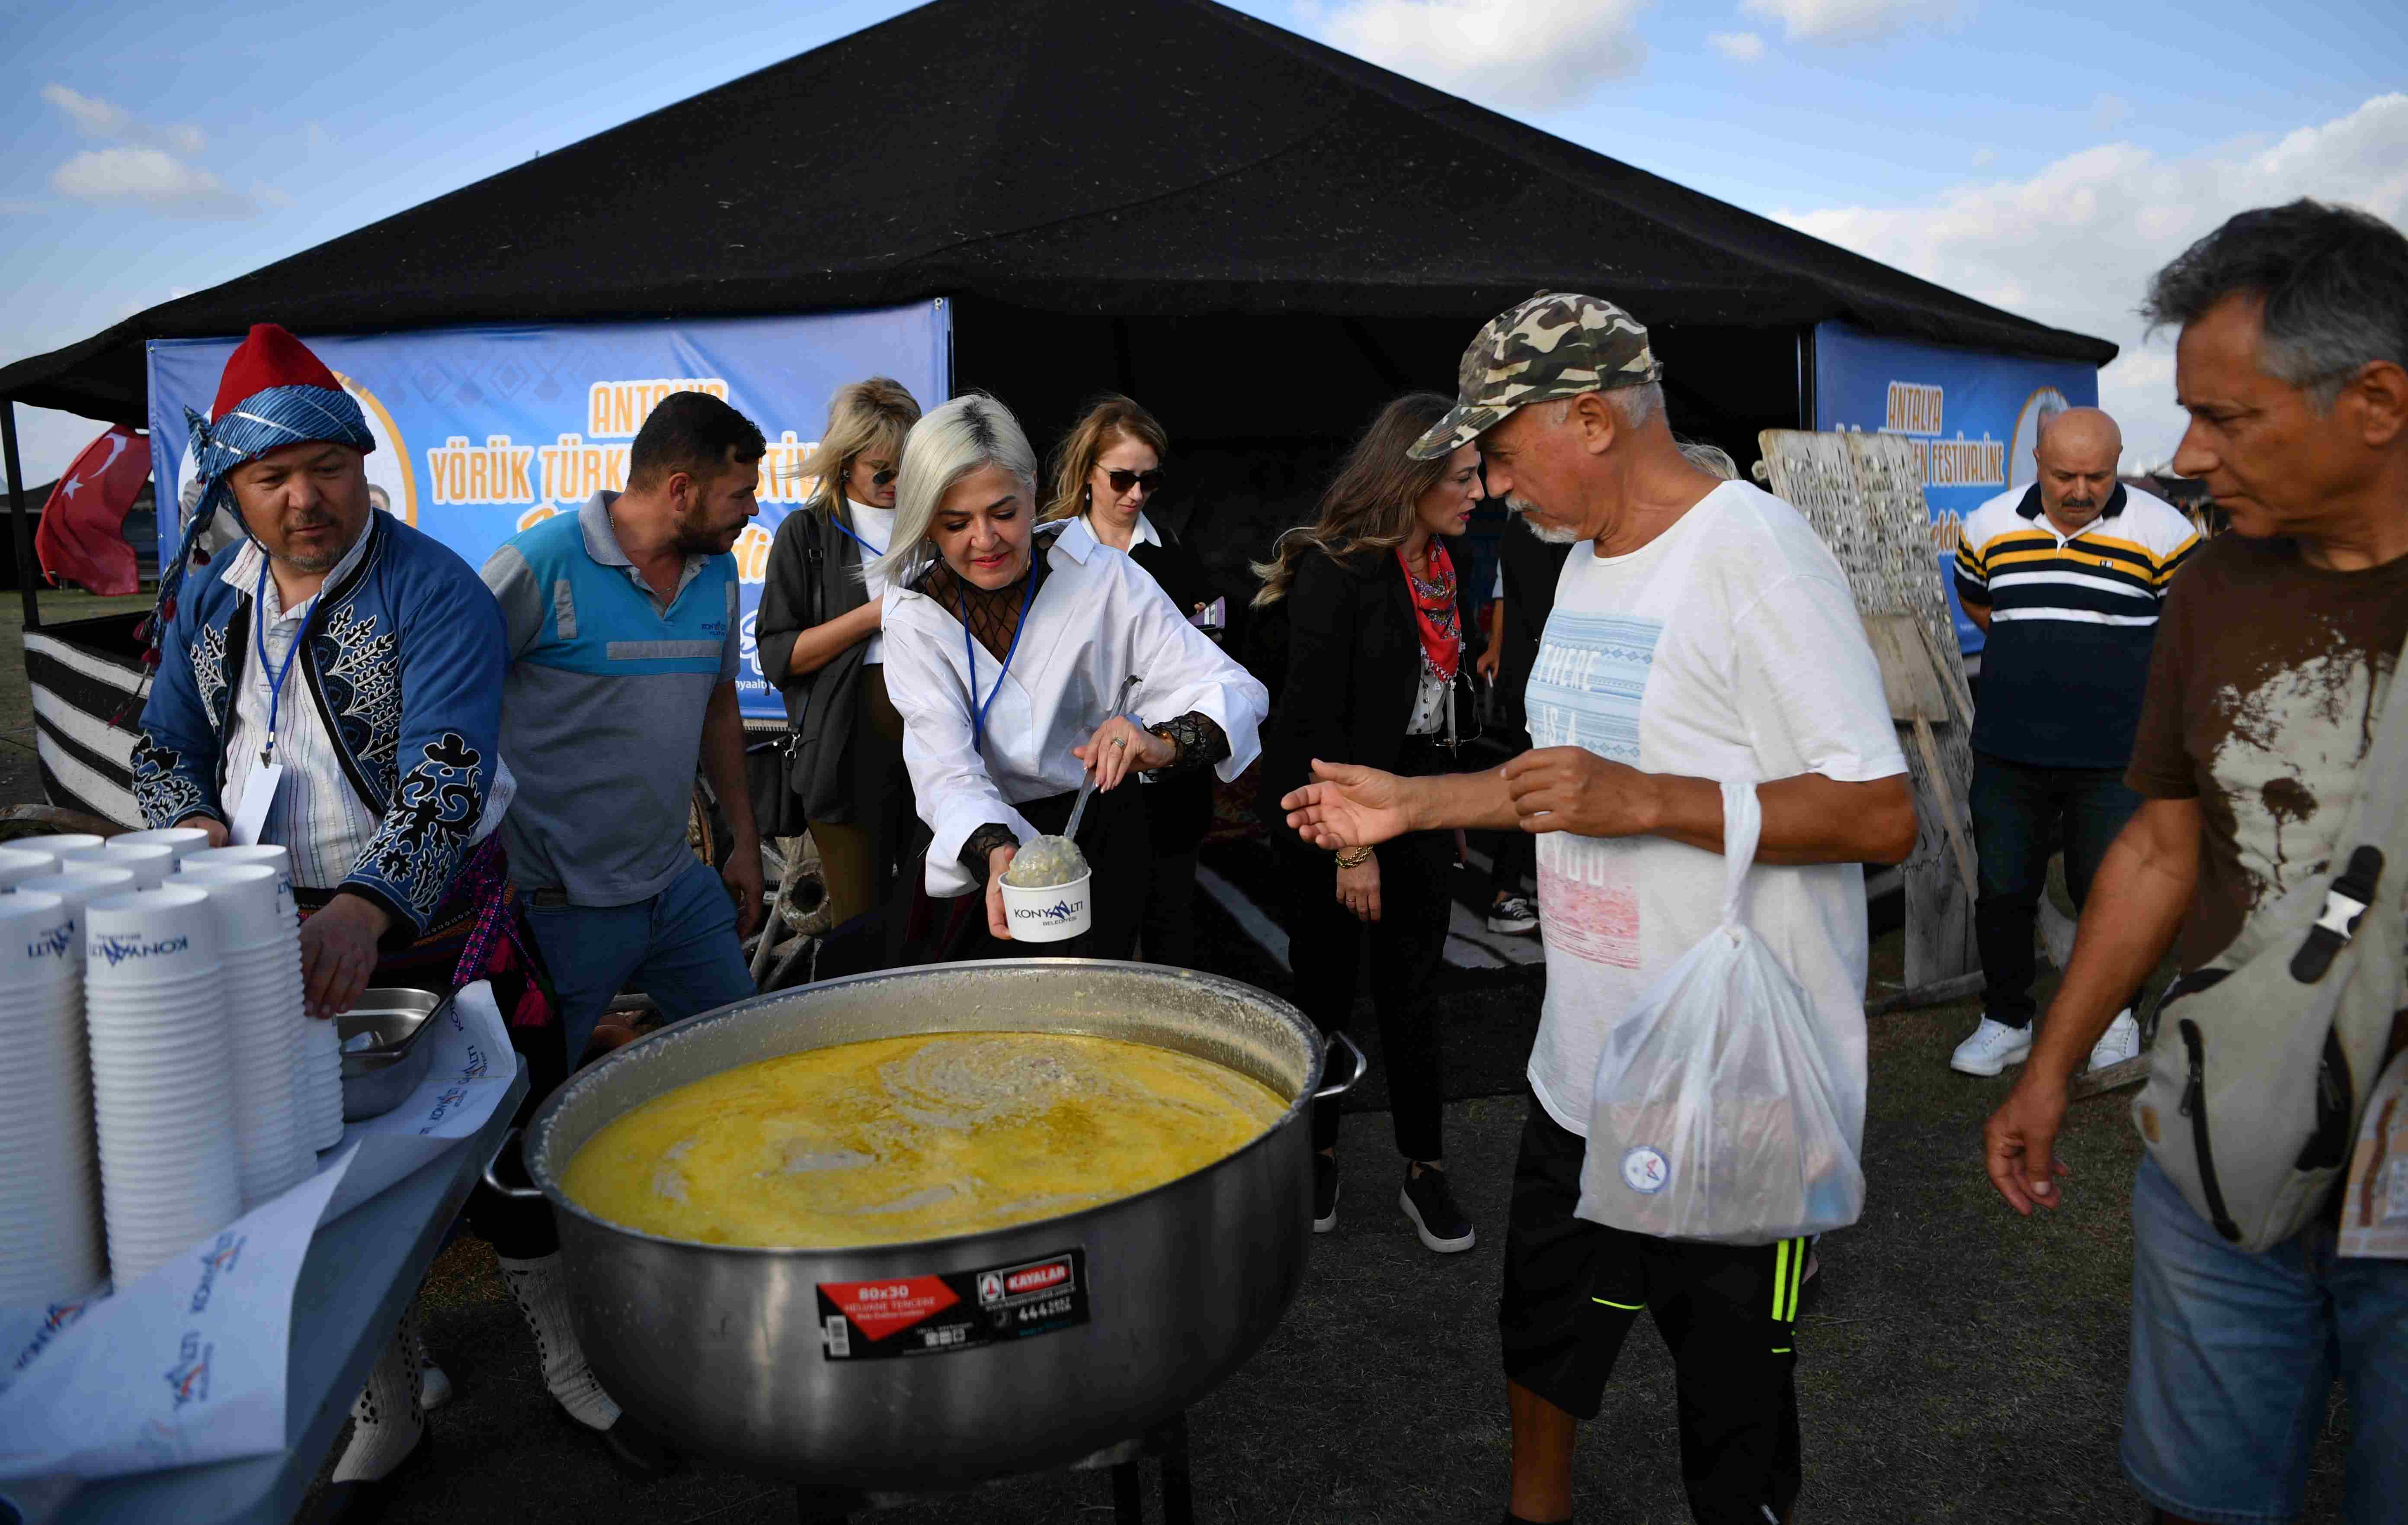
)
(971, 432)
(1710, 459)
(1633, 405)
(2333, 282)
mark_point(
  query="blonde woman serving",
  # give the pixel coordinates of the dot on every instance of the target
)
(1005, 650)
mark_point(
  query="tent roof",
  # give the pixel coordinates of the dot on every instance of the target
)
(1085, 156)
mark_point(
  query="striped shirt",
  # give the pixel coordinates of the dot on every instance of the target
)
(2072, 618)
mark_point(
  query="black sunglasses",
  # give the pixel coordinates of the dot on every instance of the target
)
(1123, 480)
(879, 479)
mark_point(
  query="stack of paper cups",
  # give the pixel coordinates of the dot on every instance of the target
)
(262, 993)
(50, 1195)
(16, 867)
(185, 840)
(317, 1050)
(162, 1075)
(150, 863)
(57, 844)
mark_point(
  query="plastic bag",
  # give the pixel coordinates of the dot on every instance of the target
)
(1719, 1101)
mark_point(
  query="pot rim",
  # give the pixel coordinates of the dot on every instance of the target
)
(561, 1202)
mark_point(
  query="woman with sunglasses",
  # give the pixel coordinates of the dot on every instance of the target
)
(1379, 623)
(1006, 650)
(818, 635)
(1106, 472)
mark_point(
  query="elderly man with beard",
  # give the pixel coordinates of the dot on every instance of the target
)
(1700, 634)
(2066, 576)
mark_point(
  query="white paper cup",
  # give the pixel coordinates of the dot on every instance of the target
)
(245, 898)
(56, 844)
(150, 863)
(182, 840)
(148, 936)
(273, 855)
(37, 935)
(17, 867)
(1052, 914)
(83, 884)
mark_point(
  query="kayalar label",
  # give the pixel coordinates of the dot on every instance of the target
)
(960, 1310)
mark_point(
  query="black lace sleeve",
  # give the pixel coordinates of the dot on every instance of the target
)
(1198, 742)
(983, 842)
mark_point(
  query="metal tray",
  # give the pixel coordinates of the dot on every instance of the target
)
(379, 1077)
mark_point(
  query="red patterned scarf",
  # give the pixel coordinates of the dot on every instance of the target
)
(1435, 611)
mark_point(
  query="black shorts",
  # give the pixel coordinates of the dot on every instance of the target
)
(1573, 1289)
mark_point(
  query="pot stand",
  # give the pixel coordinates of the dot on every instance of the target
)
(1166, 1443)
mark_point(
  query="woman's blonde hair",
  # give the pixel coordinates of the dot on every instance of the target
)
(1108, 417)
(953, 440)
(863, 416)
(1371, 503)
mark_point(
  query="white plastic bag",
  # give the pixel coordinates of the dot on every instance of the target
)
(1718, 1102)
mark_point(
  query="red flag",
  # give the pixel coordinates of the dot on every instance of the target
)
(82, 533)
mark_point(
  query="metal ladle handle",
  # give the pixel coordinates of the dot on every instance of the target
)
(1087, 785)
(521, 1192)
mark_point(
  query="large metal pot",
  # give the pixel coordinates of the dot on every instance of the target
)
(729, 1352)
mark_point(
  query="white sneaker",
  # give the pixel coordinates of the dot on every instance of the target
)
(2120, 1042)
(1993, 1046)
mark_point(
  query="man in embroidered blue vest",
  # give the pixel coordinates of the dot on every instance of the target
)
(281, 676)
(624, 632)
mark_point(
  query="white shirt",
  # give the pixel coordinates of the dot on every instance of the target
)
(317, 816)
(1144, 534)
(1097, 619)
(1726, 648)
(876, 529)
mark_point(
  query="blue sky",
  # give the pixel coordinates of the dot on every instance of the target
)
(2043, 158)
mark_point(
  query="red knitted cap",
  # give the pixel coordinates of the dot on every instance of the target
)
(270, 357)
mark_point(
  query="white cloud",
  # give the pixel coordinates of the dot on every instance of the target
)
(1739, 47)
(1848, 20)
(1525, 53)
(2075, 245)
(1984, 156)
(152, 176)
(2109, 112)
(92, 116)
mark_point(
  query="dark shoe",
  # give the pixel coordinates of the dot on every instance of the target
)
(640, 1453)
(1325, 1192)
(1430, 1203)
(357, 1504)
(1514, 916)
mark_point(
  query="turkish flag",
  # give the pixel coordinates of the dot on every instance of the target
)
(82, 535)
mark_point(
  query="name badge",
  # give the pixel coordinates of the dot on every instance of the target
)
(258, 798)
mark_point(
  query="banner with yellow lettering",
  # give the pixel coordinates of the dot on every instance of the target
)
(1970, 415)
(481, 432)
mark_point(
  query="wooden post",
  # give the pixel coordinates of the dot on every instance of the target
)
(29, 567)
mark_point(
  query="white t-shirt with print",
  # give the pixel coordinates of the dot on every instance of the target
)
(1726, 648)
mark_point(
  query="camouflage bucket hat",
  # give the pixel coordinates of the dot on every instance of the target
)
(1556, 345)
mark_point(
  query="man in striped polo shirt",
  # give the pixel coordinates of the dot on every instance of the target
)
(2065, 576)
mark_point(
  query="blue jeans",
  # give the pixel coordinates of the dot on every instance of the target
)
(2017, 813)
(678, 948)
(2233, 1358)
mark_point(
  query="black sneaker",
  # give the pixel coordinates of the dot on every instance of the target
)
(1325, 1192)
(1430, 1204)
(1514, 916)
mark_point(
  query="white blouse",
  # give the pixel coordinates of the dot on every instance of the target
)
(873, 528)
(1097, 619)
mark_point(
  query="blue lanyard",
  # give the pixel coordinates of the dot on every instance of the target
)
(258, 631)
(874, 550)
(969, 659)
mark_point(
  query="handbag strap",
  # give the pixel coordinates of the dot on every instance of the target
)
(1743, 824)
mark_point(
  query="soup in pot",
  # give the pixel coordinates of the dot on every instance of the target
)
(899, 1139)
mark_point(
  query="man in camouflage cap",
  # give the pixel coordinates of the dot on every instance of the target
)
(1701, 633)
(1555, 344)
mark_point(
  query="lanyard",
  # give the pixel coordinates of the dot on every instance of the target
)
(258, 631)
(841, 529)
(969, 659)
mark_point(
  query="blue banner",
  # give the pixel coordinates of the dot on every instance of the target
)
(481, 432)
(1972, 416)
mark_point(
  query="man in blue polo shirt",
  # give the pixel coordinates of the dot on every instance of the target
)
(624, 634)
(2066, 576)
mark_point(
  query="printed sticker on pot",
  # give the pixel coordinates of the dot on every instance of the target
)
(961, 1310)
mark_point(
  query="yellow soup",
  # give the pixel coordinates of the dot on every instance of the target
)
(899, 1139)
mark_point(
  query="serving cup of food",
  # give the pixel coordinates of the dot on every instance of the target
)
(1046, 891)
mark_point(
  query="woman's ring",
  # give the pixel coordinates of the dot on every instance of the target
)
(1120, 741)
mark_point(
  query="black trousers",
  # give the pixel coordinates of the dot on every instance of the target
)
(2019, 813)
(1325, 950)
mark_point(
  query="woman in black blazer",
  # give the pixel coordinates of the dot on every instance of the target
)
(1380, 648)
